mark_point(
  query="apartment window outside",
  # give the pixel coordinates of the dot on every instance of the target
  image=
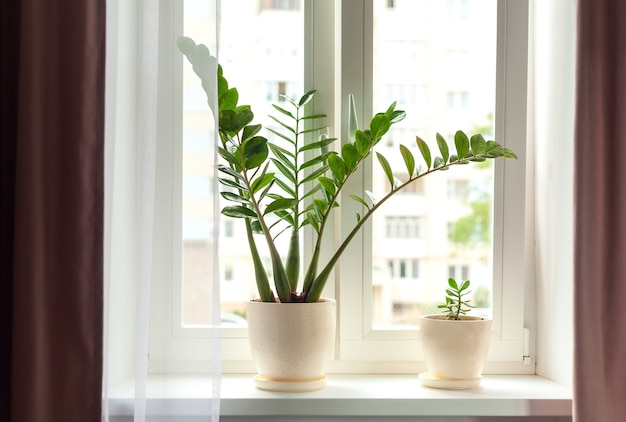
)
(402, 227)
(279, 5)
(458, 9)
(458, 189)
(229, 228)
(457, 99)
(404, 268)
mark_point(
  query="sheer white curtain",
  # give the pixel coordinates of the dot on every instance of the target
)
(141, 52)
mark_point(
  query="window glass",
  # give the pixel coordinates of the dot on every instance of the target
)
(263, 64)
(438, 61)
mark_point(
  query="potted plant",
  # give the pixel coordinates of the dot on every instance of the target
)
(279, 188)
(455, 345)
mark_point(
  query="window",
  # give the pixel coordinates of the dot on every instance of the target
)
(402, 227)
(458, 189)
(378, 312)
(404, 268)
(280, 4)
(457, 99)
(458, 9)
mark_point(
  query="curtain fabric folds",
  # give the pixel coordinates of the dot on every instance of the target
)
(143, 147)
(600, 226)
(52, 161)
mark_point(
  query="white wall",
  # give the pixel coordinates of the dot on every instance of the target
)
(554, 77)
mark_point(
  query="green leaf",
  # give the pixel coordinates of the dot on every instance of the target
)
(328, 185)
(360, 200)
(465, 285)
(222, 84)
(228, 100)
(319, 172)
(289, 163)
(229, 171)
(438, 162)
(234, 197)
(280, 135)
(231, 183)
(320, 207)
(509, 153)
(478, 144)
(409, 160)
(317, 144)
(281, 150)
(306, 98)
(255, 151)
(238, 211)
(313, 117)
(423, 147)
(386, 168)
(262, 181)
(280, 204)
(362, 141)
(390, 110)
(337, 167)
(452, 283)
(226, 155)
(288, 189)
(236, 120)
(379, 125)
(286, 126)
(443, 148)
(255, 225)
(288, 173)
(350, 155)
(313, 221)
(462, 144)
(283, 111)
(397, 116)
(250, 131)
(311, 191)
(315, 160)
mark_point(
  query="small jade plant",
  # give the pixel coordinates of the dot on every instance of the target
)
(455, 306)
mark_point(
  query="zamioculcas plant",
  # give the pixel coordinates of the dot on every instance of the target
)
(270, 183)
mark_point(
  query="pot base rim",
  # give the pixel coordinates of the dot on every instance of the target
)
(430, 380)
(265, 383)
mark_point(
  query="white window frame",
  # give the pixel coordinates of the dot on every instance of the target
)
(359, 347)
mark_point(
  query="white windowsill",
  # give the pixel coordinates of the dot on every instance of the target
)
(351, 395)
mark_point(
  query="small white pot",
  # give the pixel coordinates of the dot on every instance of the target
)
(454, 350)
(291, 343)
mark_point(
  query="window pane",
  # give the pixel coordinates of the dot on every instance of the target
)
(263, 64)
(437, 59)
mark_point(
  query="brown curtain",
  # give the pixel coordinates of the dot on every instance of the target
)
(51, 157)
(600, 252)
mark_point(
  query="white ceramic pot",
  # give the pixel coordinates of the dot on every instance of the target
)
(455, 350)
(291, 343)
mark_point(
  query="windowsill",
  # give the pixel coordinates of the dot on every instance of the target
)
(351, 395)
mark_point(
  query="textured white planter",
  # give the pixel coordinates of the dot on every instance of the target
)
(291, 343)
(454, 351)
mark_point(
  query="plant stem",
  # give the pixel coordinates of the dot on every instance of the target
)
(318, 284)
